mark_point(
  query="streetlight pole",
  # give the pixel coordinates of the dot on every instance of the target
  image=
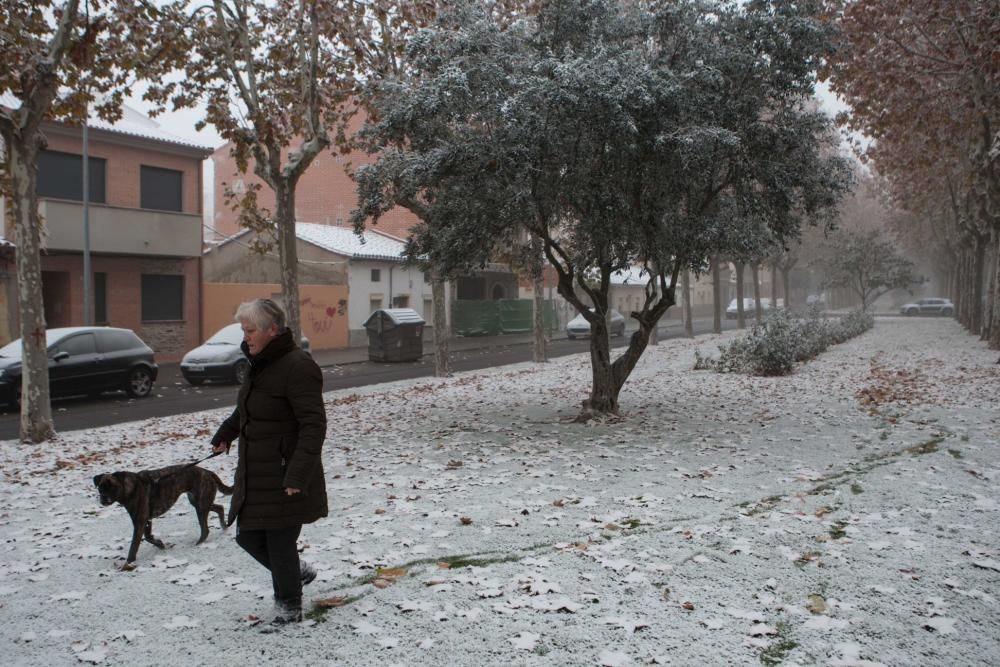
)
(88, 307)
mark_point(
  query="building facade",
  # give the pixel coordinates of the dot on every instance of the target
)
(145, 233)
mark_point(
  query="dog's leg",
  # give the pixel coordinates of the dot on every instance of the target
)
(133, 550)
(148, 532)
(218, 509)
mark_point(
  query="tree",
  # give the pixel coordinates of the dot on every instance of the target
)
(617, 134)
(57, 62)
(277, 78)
(868, 264)
(923, 81)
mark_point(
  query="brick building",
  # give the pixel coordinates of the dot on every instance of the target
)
(145, 219)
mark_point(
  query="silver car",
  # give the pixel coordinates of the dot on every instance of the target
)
(220, 358)
(933, 306)
(580, 327)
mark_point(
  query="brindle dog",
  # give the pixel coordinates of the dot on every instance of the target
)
(150, 493)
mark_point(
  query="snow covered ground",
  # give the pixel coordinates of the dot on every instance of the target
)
(845, 515)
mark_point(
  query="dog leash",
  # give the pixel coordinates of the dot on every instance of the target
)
(185, 467)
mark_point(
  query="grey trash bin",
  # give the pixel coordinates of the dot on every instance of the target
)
(395, 334)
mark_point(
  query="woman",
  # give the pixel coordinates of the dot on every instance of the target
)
(280, 422)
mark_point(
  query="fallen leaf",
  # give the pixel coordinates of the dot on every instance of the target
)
(465, 520)
(817, 605)
(688, 605)
(323, 603)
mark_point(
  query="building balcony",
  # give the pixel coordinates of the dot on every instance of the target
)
(120, 231)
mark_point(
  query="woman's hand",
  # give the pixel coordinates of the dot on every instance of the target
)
(220, 447)
(291, 491)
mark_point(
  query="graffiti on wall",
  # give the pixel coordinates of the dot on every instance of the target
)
(319, 316)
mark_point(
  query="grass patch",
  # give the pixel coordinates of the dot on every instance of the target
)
(929, 447)
(954, 452)
(837, 530)
(318, 614)
(776, 653)
(857, 489)
(455, 562)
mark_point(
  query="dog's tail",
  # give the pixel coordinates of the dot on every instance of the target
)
(228, 490)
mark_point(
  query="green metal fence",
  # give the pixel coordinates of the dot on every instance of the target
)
(494, 318)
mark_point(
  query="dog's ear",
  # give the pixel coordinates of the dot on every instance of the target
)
(97, 479)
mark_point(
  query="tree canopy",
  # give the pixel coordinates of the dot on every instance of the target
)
(620, 134)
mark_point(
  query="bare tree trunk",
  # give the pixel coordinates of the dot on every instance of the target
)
(442, 332)
(774, 285)
(36, 410)
(786, 278)
(758, 308)
(686, 287)
(978, 271)
(716, 297)
(540, 354)
(288, 256)
(993, 290)
(741, 321)
(994, 326)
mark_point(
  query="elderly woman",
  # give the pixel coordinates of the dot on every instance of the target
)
(280, 422)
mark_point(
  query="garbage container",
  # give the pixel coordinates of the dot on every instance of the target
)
(395, 334)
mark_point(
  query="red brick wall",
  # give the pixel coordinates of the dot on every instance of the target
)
(325, 193)
(170, 340)
(123, 163)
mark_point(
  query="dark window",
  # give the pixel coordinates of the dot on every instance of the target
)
(162, 297)
(161, 188)
(80, 344)
(60, 176)
(376, 275)
(113, 340)
(100, 298)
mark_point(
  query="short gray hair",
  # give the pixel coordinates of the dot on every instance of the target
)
(262, 312)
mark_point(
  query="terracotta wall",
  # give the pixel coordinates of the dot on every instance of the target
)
(325, 193)
(324, 309)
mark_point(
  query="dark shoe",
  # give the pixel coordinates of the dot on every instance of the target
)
(287, 613)
(307, 573)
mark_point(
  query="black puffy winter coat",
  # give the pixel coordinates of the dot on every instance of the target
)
(280, 422)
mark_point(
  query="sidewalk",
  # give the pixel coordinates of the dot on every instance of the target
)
(353, 355)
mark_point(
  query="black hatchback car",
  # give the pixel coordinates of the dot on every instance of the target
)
(85, 360)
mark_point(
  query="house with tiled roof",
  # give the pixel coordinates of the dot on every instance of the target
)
(145, 219)
(343, 277)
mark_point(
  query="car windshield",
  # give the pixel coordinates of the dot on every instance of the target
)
(228, 335)
(12, 350)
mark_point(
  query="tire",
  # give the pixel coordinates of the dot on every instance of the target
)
(946, 312)
(570, 337)
(139, 383)
(910, 313)
(241, 369)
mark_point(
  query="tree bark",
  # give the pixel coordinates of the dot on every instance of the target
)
(442, 332)
(994, 327)
(758, 308)
(686, 296)
(993, 290)
(774, 286)
(716, 297)
(288, 255)
(786, 275)
(36, 410)
(741, 321)
(540, 354)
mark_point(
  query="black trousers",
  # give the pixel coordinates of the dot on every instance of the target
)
(277, 551)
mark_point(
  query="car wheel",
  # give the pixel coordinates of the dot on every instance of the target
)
(910, 313)
(240, 371)
(946, 312)
(570, 336)
(140, 382)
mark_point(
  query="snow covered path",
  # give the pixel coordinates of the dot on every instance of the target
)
(845, 515)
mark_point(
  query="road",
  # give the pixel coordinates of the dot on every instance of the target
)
(172, 395)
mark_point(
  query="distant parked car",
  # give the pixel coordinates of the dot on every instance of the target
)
(580, 327)
(932, 306)
(748, 308)
(818, 300)
(220, 358)
(85, 360)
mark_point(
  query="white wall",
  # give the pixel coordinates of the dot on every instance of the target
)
(405, 281)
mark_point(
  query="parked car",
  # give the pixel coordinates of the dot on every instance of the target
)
(580, 327)
(220, 358)
(932, 306)
(85, 360)
(818, 300)
(748, 308)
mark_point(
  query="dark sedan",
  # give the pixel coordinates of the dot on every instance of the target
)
(85, 360)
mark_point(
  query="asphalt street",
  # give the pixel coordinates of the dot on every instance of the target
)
(173, 395)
